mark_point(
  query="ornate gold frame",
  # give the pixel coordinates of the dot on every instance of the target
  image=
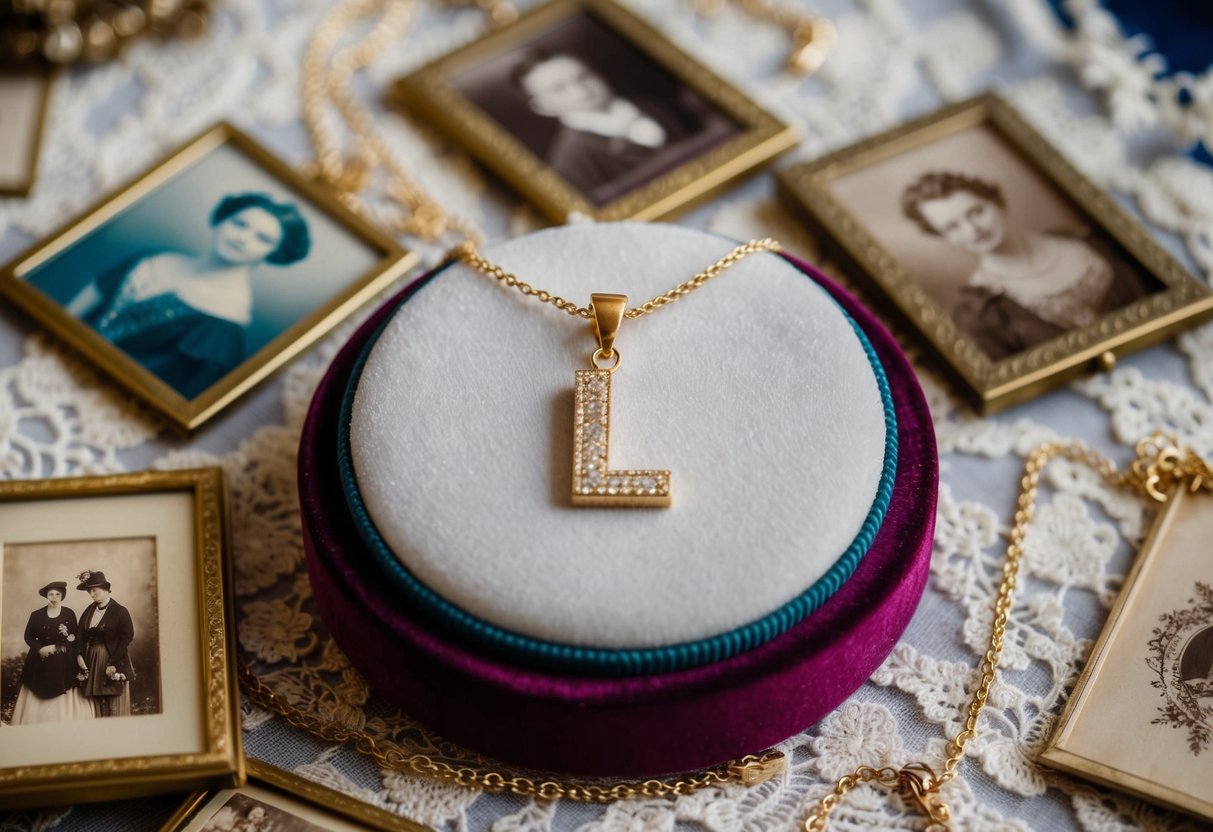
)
(993, 385)
(296, 787)
(763, 136)
(187, 414)
(47, 76)
(1056, 754)
(222, 760)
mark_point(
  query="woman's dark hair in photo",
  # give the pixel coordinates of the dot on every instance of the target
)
(296, 241)
(940, 185)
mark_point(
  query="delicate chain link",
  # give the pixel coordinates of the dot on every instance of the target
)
(748, 770)
(467, 252)
(1160, 467)
(327, 73)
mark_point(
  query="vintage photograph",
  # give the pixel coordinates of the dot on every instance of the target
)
(83, 654)
(206, 274)
(1151, 673)
(23, 99)
(586, 108)
(597, 110)
(116, 674)
(1006, 259)
(246, 814)
(276, 800)
(1008, 256)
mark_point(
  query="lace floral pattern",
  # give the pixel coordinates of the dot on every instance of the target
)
(58, 417)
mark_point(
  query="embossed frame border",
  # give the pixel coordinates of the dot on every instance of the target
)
(301, 790)
(1056, 754)
(763, 136)
(992, 385)
(391, 262)
(220, 761)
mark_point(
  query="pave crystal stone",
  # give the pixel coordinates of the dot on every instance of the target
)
(594, 483)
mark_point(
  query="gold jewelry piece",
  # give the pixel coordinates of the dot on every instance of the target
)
(595, 483)
(749, 770)
(89, 31)
(1161, 466)
(813, 36)
(394, 199)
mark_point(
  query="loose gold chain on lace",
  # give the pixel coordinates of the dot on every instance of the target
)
(748, 770)
(1160, 467)
(408, 209)
(467, 253)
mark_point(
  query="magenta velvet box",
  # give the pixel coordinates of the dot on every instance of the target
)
(633, 726)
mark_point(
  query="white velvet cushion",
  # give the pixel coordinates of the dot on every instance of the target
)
(754, 391)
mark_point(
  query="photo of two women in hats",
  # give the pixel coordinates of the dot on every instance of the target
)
(77, 668)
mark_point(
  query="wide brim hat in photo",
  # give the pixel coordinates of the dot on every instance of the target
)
(88, 580)
(59, 585)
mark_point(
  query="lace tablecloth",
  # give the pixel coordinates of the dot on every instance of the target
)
(58, 417)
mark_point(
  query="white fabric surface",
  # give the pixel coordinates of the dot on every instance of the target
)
(754, 391)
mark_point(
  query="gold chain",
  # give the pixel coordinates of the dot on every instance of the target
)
(1160, 467)
(327, 73)
(813, 36)
(749, 770)
(466, 251)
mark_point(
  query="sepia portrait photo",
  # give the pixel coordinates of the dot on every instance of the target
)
(276, 800)
(1008, 256)
(596, 109)
(115, 667)
(70, 649)
(585, 107)
(1012, 265)
(204, 275)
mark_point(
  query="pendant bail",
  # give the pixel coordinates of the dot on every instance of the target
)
(608, 315)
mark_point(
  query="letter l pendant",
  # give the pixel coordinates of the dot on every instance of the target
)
(594, 482)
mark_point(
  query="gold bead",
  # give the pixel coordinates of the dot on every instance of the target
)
(100, 41)
(63, 43)
(128, 21)
(60, 11)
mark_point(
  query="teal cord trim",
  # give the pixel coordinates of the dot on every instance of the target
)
(613, 662)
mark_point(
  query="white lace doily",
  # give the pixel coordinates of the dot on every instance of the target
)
(59, 417)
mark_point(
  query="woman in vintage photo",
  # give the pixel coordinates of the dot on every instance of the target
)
(49, 691)
(183, 316)
(1028, 286)
(602, 135)
(107, 632)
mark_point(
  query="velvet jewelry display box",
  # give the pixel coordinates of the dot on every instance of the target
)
(448, 562)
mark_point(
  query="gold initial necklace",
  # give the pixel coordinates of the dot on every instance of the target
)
(595, 483)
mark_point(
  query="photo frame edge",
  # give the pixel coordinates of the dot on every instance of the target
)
(219, 764)
(1055, 754)
(763, 137)
(187, 415)
(50, 76)
(1184, 302)
(295, 787)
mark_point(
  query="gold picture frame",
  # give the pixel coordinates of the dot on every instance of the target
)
(174, 724)
(711, 132)
(244, 324)
(1140, 718)
(277, 789)
(24, 97)
(866, 200)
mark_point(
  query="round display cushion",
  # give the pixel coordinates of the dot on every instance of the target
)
(635, 726)
(762, 396)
